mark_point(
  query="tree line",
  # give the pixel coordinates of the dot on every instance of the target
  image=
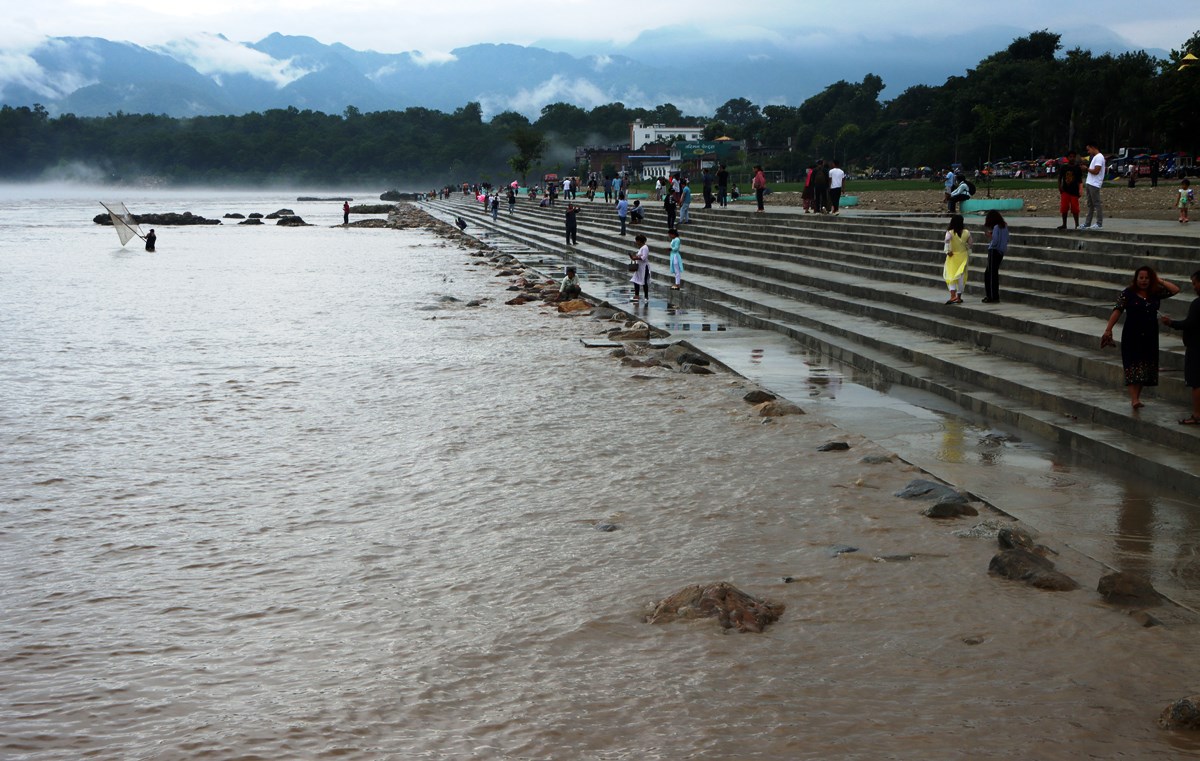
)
(1027, 101)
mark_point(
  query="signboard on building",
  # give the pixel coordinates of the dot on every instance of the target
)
(693, 148)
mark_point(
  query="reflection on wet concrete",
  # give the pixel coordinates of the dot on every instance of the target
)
(1122, 522)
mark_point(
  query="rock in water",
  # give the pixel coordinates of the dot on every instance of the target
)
(777, 408)
(921, 488)
(574, 305)
(833, 446)
(732, 607)
(1127, 589)
(1034, 570)
(758, 396)
(1182, 714)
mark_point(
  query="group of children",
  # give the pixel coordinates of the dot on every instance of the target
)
(639, 265)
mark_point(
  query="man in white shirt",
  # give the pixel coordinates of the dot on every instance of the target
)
(1093, 183)
(836, 179)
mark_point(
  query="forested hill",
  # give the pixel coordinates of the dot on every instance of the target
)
(1029, 100)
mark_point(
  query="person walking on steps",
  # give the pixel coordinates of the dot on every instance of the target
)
(676, 260)
(1139, 336)
(572, 224)
(957, 247)
(640, 262)
(997, 247)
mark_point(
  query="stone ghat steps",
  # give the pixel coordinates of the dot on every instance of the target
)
(995, 363)
(1037, 335)
(1067, 272)
(855, 274)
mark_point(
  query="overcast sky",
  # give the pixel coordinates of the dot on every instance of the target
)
(437, 26)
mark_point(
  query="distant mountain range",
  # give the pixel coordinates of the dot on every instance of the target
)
(210, 74)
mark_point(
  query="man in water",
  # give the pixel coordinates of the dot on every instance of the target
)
(150, 239)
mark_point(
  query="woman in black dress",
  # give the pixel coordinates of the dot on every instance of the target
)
(1139, 336)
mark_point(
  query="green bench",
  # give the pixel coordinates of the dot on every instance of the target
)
(988, 204)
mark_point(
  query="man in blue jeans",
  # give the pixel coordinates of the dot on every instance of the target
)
(1092, 184)
(622, 211)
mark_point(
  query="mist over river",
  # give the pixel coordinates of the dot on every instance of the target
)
(278, 493)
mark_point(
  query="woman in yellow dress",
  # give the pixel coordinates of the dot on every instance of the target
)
(958, 251)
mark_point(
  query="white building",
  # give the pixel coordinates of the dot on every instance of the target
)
(640, 134)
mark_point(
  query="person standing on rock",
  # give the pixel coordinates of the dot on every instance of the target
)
(1069, 182)
(1095, 181)
(957, 246)
(622, 211)
(1190, 326)
(1139, 336)
(676, 259)
(572, 224)
(641, 272)
(151, 239)
(345, 212)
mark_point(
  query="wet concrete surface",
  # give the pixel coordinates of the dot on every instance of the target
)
(1120, 521)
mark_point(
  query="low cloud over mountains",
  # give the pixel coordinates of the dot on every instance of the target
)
(210, 74)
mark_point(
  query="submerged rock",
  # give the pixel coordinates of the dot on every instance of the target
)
(292, 221)
(1122, 588)
(922, 488)
(951, 509)
(733, 608)
(876, 459)
(1032, 569)
(833, 446)
(777, 408)
(758, 396)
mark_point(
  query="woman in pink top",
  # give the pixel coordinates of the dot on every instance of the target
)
(759, 183)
